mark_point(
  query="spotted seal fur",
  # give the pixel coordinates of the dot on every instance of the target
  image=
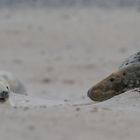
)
(126, 78)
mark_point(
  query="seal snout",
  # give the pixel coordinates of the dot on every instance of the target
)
(93, 95)
(98, 94)
(4, 95)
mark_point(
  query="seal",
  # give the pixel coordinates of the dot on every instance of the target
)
(15, 84)
(126, 78)
(10, 84)
(4, 91)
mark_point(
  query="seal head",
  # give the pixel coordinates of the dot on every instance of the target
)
(111, 86)
(4, 91)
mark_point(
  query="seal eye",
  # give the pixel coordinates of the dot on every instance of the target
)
(7, 87)
(111, 79)
(127, 63)
(125, 85)
(124, 73)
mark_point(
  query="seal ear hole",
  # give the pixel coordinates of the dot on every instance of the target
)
(112, 79)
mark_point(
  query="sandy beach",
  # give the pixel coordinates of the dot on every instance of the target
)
(59, 54)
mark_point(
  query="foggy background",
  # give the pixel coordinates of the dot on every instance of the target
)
(61, 3)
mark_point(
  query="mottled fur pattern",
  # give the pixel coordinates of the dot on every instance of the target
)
(133, 59)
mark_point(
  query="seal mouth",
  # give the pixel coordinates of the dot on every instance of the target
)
(2, 100)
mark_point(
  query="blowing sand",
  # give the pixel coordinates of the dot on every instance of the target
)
(59, 54)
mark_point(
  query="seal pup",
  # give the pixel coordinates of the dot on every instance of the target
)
(4, 91)
(9, 84)
(127, 77)
(16, 86)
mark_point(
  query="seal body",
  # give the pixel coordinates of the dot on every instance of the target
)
(126, 78)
